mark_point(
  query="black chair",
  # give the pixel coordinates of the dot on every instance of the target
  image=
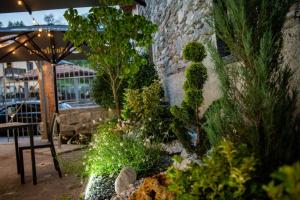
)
(38, 145)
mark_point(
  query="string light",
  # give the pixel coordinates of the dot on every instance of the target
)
(14, 52)
(49, 34)
(25, 44)
(20, 3)
(40, 29)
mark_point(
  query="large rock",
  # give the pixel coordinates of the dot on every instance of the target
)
(126, 177)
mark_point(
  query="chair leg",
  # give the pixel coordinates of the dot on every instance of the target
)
(32, 157)
(33, 167)
(21, 166)
(55, 161)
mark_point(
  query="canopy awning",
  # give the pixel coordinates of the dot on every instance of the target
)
(8, 6)
(44, 43)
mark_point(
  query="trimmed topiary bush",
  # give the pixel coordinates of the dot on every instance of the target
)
(196, 75)
(194, 51)
(187, 117)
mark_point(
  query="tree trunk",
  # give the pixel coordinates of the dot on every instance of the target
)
(116, 99)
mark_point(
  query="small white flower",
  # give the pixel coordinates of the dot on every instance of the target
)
(121, 144)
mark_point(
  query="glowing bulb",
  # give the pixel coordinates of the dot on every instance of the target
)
(25, 44)
(39, 35)
(14, 52)
(49, 34)
(40, 30)
(20, 3)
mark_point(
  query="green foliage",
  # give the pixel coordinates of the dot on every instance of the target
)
(114, 39)
(196, 75)
(111, 151)
(285, 184)
(223, 174)
(187, 117)
(145, 107)
(144, 77)
(258, 100)
(102, 93)
(194, 51)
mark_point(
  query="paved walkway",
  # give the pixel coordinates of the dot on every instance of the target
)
(49, 187)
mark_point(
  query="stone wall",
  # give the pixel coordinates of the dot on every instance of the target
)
(291, 44)
(82, 120)
(183, 21)
(179, 22)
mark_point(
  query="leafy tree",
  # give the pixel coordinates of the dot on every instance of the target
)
(49, 19)
(15, 24)
(258, 102)
(116, 42)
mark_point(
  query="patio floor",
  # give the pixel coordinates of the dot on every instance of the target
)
(49, 187)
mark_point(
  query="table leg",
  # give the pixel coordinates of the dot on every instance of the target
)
(32, 156)
(17, 150)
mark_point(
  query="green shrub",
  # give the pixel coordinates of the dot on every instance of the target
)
(187, 116)
(149, 113)
(194, 51)
(285, 184)
(111, 150)
(259, 101)
(196, 75)
(101, 89)
(223, 174)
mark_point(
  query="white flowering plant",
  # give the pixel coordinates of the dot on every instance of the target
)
(111, 150)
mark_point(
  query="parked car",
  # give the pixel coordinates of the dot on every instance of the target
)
(26, 112)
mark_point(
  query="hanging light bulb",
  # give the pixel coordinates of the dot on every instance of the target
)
(49, 34)
(34, 21)
(39, 35)
(25, 44)
(40, 29)
(14, 52)
(20, 2)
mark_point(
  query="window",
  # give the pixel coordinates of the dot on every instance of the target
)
(221, 45)
(222, 48)
(29, 66)
(9, 65)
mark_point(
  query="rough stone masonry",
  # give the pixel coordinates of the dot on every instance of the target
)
(182, 21)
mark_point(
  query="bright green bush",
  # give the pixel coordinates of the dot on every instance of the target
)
(194, 51)
(285, 184)
(148, 112)
(196, 75)
(223, 174)
(111, 150)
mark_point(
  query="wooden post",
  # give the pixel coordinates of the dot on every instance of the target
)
(47, 96)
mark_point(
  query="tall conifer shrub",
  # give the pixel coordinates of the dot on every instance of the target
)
(258, 102)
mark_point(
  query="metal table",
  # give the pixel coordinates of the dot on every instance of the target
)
(14, 126)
